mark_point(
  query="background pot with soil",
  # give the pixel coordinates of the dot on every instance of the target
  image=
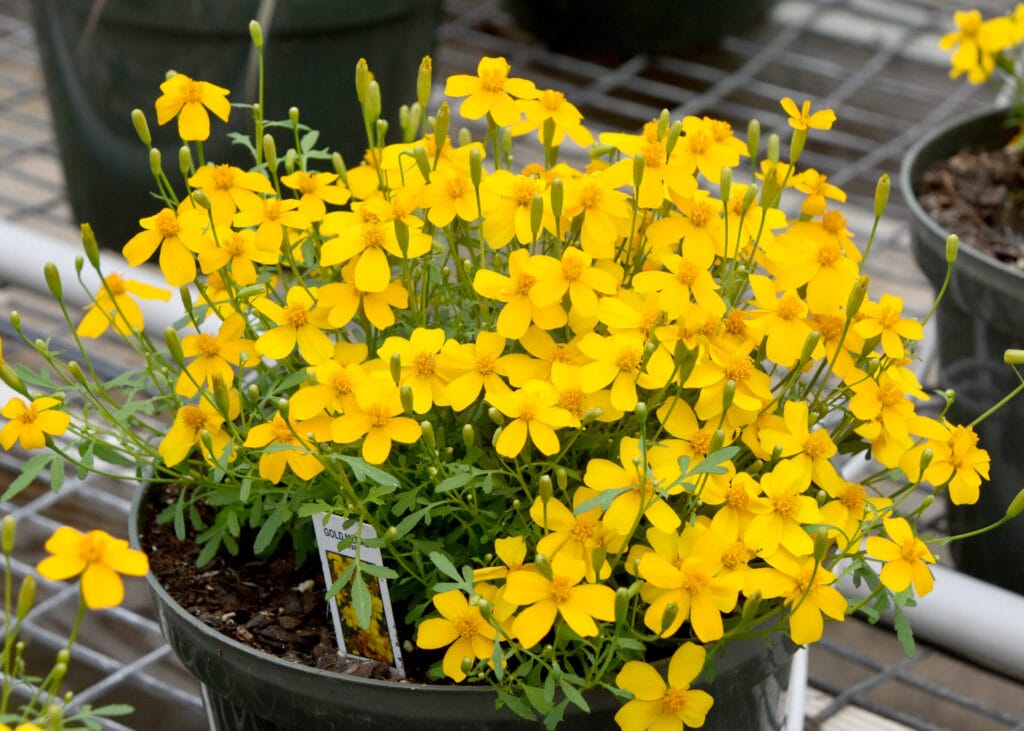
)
(958, 180)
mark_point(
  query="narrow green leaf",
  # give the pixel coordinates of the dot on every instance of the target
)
(362, 603)
(445, 565)
(29, 471)
(574, 695)
(903, 631)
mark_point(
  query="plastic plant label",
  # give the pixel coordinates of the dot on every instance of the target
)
(343, 551)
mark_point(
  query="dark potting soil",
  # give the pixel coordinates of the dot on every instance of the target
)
(268, 604)
(979, 195)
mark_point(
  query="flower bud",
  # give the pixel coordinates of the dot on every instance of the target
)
(753, 138)
(8, 529)
(668, 617)
(952, 245)
(293, 116)
(927, 455)
(750, 607)
(382, 129)
(810, 344)
(561, 478)
(282, 407)
(221, 398)
(476, 167)
(465, 136)
(557, 193)
(270, 151)
(406, 395)
(419, 154)
(424, 77)
(174, 345)
(468, 436)
(882, 194)
(796, 145)
(395, 368)
(256, 33)
(597, 558)
(52, 276)
(545, 489)
(203, 200)
(26, 596)
(429, 438)
(856, 298)
(674, 133)
(536, 215)
(372, 106)
(621, 604)
(12, 379)
(728, 394)
(685, 359)
(76, 371)
(663, 121)
(89, 243)
(547, 132)
(141, 127)
(185, 160)
(1013, 356)
(591, 415)
(748, 198)
(544, 566)
(496, 416)
(1016, 505)
(338, 163)
(638, 171)
(156, 164)
(821, 543)
(725, 184)
(363, 77)
(402, 236)
(290, 160)
(717, 439)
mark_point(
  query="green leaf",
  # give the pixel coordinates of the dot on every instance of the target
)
(270, 527)
(381, 572)
(362, 603)
(554, 718)
(342, 580)
(903, 631)
(445, 565)
(535, 696)
(574, 695)
(455, 481)
(364, 471)
(712, 464)
(603, 500)
(29, 471)
(516, 705)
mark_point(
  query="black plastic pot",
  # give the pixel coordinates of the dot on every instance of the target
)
(96, 74)
(981, 315)
(247, 690)
(628, 27)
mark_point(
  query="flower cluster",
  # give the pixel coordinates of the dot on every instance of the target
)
(990, 48)
(598, 414)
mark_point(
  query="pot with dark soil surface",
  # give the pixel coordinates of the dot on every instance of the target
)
(958, 179)
(257, 635)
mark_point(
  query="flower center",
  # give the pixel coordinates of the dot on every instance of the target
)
(790, 307)
(785, 505)
(629, 359)
(702, 214)
(739, 369)
(485, 364)
(90, 549)
(830, 326)
(653, 154)
(854, 498)
(699, 142)
(687, 273)
(523, 283)
(493, 79)
(527, 411)
(694, 579)
(27, 416)
(572, 268)
(572, 401)
(424, 364)
(912, 550)
(207, 345)
(674, 700)
(818, 445)
(116, 284)
(192, 92)
(737, 496)
(223, 177)
(890, 395)
(736, 555)
(523, 191)
(282, 432)
(193, 417)
(590, 196)
(720, 130)
(341, 383)
(833, 222)
(583, 530)
(700, 441)
(551, 99)
(561, 589)
(829, 253)
(455, 188)
(734, 322)
(167, 223)
(235, 244)
(296, 315)
(467, 625)
(378, 415)
(373, 236)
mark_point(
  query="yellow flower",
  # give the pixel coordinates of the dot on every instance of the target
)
(98, 557)
(187, 430)
(287, 449)
(688, 276)
(574, 275)
(660, 705)
(509, 206)
(22, 727)
(619, 360)
(811, 451)
(808, 254)
(316, 190)
(30, 424)
(906, 557)
(519, 311)
(377, 420)
(473, 367)
(575, 534)
(347, 300)
(534, 413)
(450, 193)
(806, 588)
(752, 385)
(461, 628)
(275, 220)
(564, 116)
(817, 188)
(226, 185)
(782, 319)
(957, 460)
(418, 359)
(177, 234)
(237, 251)
(605, 210)
(189, 100)
(215, 355)
(976, 43)
(882, 320)
(299, 322)
(561, 595)
(783, 525)
(688, 571)
(661, 170)
(491, 91)
(801, 117)
(113, 306)
(709, 145)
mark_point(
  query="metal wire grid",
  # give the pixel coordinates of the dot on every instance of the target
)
(874, 62)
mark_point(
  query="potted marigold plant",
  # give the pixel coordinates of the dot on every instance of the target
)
(964, 178)
(571, 441)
